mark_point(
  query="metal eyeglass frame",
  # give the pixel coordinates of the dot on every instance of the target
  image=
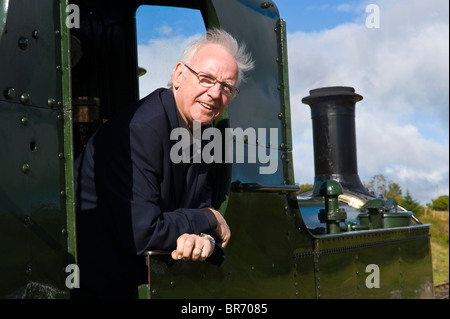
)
(234, 90)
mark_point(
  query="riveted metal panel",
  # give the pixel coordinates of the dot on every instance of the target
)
(267, 257)
(400, 254)
(33, 113)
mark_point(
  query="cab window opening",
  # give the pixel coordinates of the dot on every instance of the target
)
(162, 34)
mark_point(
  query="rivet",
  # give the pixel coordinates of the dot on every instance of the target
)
(58, 68)
(25, 168)
(266, 5)
(64, 232)
(25, 98)
(35, 34)
(51, 102)
(10, 93)
(280, 116)
(60, 155)
(60, 117)
(24, 121)
(27, 221)
(23, 43)
(172, 284)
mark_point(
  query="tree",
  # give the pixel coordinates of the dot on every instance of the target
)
(305, 187)
(394, 191)
(440, 203)
(410, 204)
(379, 185)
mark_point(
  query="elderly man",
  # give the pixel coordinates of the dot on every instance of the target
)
(131, 197)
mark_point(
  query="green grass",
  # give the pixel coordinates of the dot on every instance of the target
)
(439, 243)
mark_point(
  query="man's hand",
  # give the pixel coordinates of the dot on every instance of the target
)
(222, 230)
(192, 247)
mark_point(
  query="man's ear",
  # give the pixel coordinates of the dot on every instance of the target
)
(177, 75)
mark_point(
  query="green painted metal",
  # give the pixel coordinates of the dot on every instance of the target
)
(33, 190)
(402, 254)
(332, 215)
(69, 192)
(259, 262)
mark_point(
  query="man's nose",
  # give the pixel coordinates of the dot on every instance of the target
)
(215, 91)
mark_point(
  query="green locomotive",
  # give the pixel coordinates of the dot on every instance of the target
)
(59, 83)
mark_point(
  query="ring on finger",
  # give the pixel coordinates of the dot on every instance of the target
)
(201, 248)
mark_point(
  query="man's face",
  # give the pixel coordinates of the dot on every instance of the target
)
(196, 102)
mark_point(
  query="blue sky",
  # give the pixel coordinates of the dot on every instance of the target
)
(401, 69)
(305, 15)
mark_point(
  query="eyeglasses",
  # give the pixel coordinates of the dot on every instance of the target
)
(208, 81)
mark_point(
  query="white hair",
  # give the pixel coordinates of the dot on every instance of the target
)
(220, 37)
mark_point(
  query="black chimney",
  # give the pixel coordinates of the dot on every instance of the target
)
(334, 136)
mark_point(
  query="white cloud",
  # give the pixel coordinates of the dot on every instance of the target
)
(401, 69)
(164, 30)
(159, 57)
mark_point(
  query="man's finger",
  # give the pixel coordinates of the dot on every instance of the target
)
(180, 246)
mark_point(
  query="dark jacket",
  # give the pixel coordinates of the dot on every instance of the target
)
(131, 197)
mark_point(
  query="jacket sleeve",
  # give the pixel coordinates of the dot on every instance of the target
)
(133, 168)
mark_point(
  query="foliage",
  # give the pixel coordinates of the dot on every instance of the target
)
(439, 244)
(379, 185)
(305, 187)
(440, 203)
(412, 205)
